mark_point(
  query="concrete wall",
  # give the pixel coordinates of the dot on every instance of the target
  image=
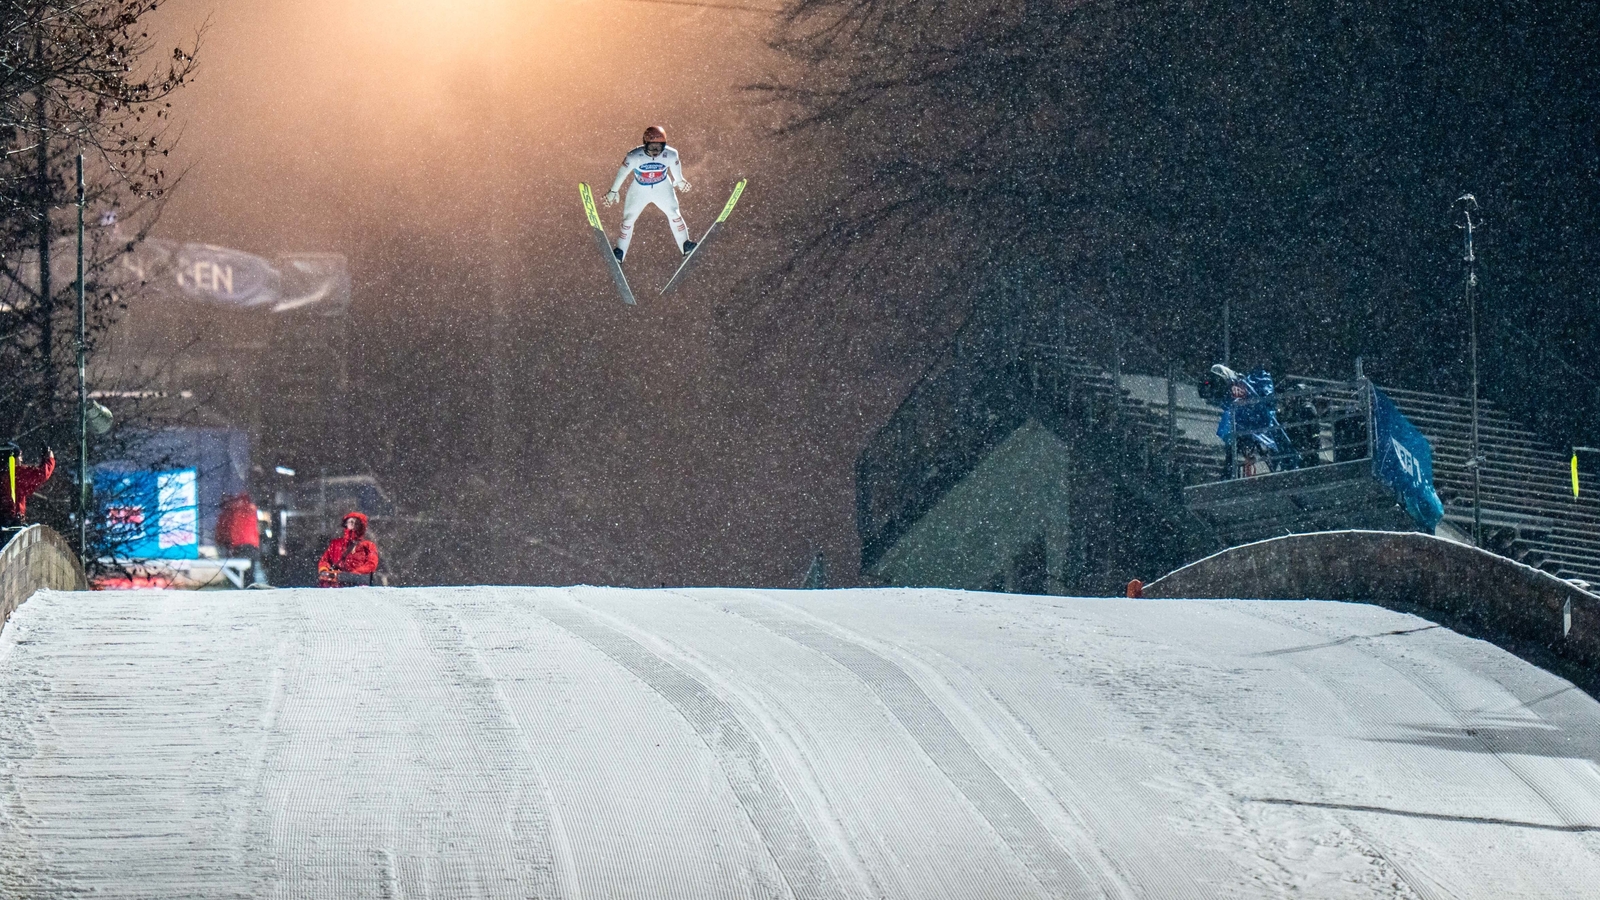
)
(1531, 613)
(36, 558)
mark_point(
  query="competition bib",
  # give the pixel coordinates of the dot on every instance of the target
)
(650, 173)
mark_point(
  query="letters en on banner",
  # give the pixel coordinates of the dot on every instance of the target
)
(296, 282)
(155, 270)
(1403, 459)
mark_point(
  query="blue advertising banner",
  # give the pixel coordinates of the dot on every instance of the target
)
(150, 515)
(1403, 459)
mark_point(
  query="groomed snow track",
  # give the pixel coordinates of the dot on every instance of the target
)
(600, 743)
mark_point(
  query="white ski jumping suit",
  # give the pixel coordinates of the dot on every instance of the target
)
(653, 177)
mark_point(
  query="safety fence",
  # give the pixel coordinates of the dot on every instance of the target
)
(1315, 422)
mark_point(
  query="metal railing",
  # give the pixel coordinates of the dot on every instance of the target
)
(1310, 422)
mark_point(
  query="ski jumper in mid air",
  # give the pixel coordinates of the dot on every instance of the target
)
(657, 176)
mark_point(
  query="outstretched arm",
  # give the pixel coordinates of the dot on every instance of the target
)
(616, 183)
(675, 168)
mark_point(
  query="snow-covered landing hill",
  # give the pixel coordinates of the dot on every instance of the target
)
(586, 742)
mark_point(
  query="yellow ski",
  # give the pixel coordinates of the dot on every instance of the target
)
(604, 243)
(694, 255)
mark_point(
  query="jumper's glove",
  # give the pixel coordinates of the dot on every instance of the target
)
(611, 198)
(681, 185)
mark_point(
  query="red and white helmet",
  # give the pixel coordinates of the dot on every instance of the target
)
(655, 134)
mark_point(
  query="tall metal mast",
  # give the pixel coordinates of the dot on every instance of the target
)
(1469, 205)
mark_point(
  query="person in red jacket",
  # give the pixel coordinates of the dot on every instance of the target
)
(21, 481)
(239, 532)
(351, 558)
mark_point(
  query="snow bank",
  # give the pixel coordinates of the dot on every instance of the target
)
(586, 742)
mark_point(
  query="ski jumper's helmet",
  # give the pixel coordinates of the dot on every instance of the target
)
(655, 134)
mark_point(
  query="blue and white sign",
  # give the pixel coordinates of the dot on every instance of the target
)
(1403, 459)
(150, 515)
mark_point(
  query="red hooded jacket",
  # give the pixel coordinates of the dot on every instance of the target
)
(350, 552)
(14, 495)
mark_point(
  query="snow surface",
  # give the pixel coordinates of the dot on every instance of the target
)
(588, 742)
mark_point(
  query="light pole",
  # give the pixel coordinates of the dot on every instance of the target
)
(83, 388)
(1469, 205)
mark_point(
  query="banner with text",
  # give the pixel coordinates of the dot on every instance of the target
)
(155, 270)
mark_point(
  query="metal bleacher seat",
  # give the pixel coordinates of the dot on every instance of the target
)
(1526, 493)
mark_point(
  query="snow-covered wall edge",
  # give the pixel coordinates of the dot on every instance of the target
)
(1544, 619)
(36, 558)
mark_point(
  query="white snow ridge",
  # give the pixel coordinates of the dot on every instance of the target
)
(602, 743)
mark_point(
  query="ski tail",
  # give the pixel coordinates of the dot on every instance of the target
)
(604, 243)
(694, 255)
(588, 207)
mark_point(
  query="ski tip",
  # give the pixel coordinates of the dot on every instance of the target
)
(727, 208)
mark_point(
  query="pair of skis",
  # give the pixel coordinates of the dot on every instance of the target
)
(604, 243)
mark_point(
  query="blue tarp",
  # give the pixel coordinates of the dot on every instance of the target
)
(1403, 459)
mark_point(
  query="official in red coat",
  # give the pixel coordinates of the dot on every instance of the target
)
(21, 481)
(239, 532)
(237, 528)
(351, 558)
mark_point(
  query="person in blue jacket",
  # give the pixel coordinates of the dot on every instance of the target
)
(1249, 423)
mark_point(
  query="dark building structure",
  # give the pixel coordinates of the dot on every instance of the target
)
(1057, 454)
(1024, 463)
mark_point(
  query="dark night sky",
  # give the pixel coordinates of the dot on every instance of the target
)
(1299, 160)
(438, 145)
